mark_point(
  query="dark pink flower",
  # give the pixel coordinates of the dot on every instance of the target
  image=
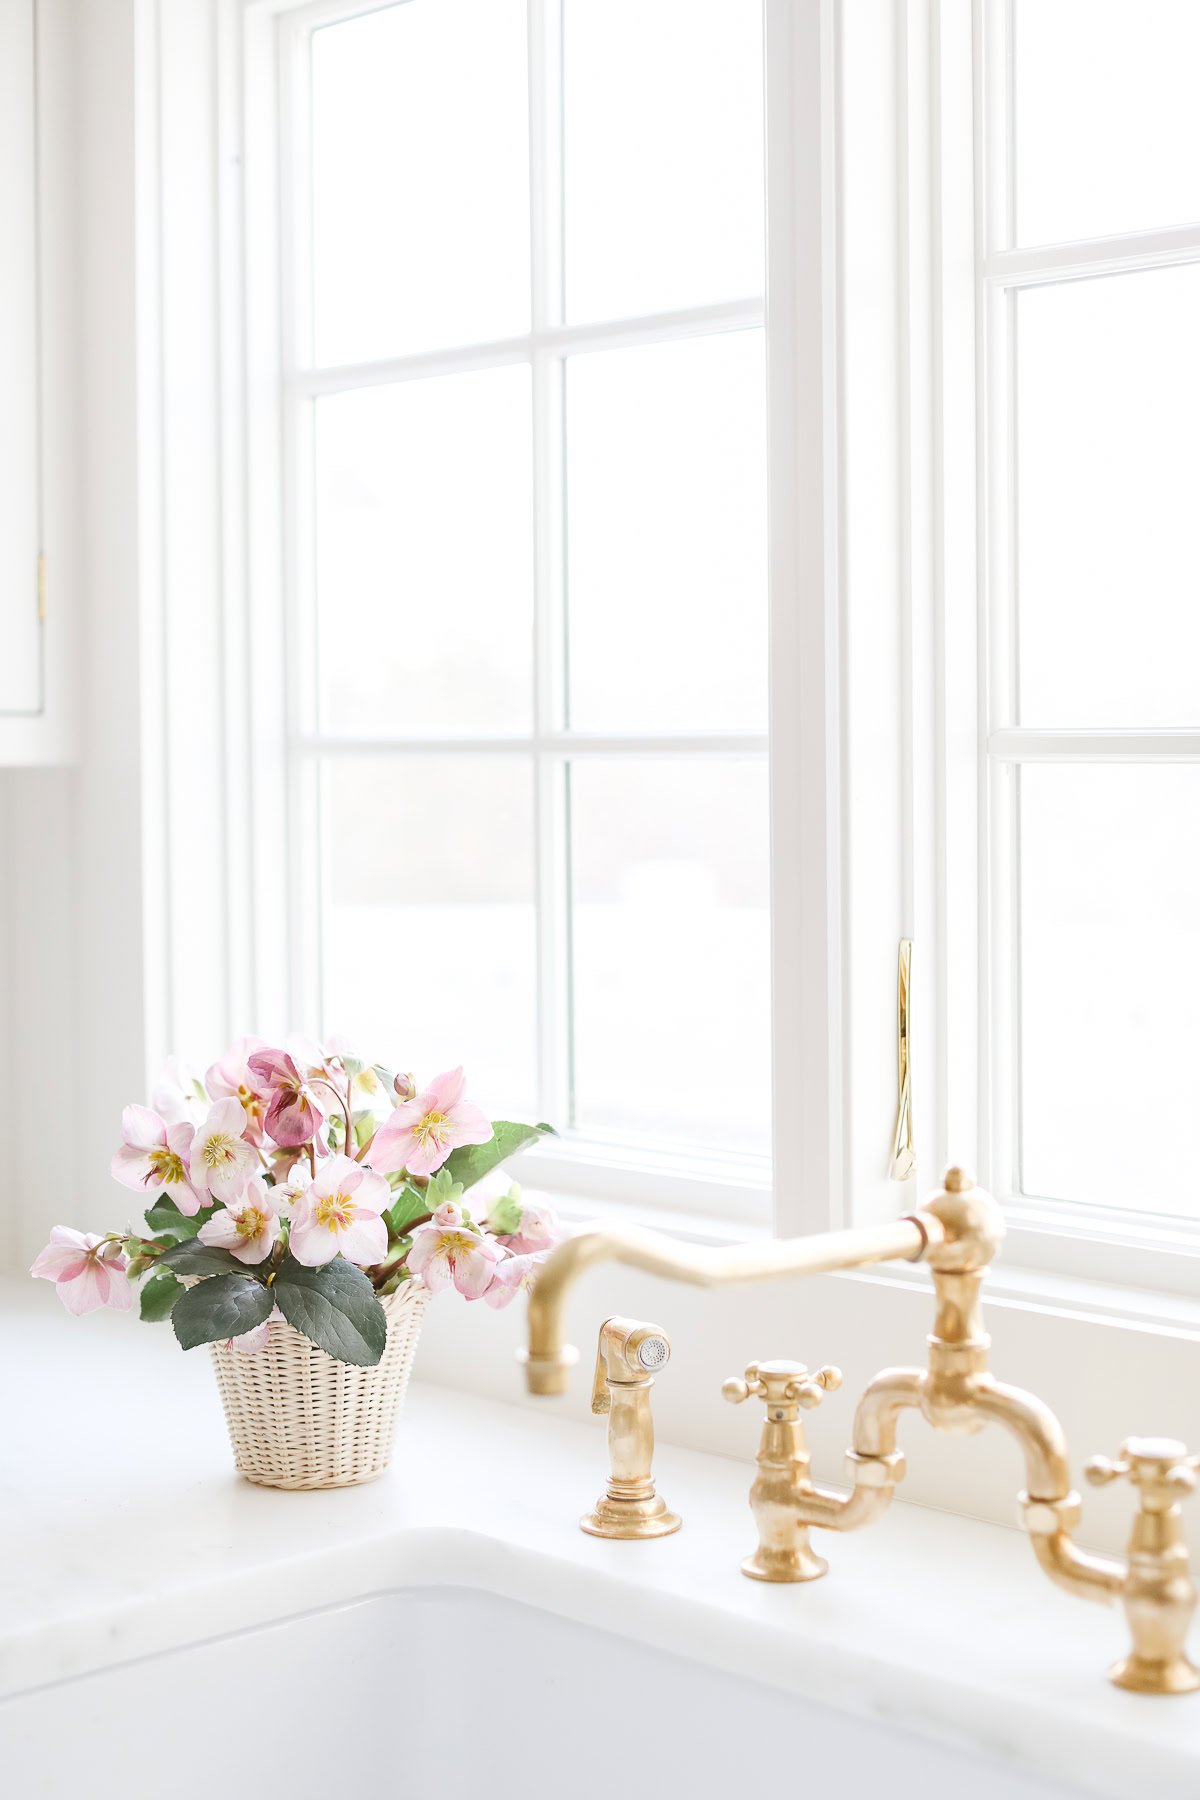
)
(294, 1114)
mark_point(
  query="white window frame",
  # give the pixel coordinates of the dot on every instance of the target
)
(704, 1193)
(880, 814)
(1100, 1242)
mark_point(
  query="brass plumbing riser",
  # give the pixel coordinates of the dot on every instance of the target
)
(957, 1232)
(628, 1355)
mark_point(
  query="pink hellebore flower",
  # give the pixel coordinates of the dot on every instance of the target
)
(341, 1211)
(221, 1159)
(154, 1158)
(87, 1271)
(294, 1114)
(423, 1131)
(230, 1079)
(538, 1230)
(248, 1226)
(291, 1190)
(516, 1274)
(328, 1061)
(448, 1249)
(179, 1094)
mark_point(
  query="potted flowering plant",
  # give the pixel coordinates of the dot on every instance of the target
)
(302, 1206)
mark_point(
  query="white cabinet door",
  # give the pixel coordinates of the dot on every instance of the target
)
(20, 629)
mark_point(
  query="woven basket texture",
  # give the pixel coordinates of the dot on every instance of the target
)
(298, 1419)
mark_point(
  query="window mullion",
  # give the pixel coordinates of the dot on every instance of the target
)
(305, 899)
(549, 505)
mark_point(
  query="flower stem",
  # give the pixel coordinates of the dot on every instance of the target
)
(320, 1081)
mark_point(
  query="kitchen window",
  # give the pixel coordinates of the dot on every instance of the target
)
(525, 513)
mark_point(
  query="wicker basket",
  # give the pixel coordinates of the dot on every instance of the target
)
(298, 1419)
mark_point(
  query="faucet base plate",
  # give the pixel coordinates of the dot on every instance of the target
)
(785, 1565)
(1140, 1676)
(630, 1519)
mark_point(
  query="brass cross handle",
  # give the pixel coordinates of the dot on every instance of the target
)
(1159, 1468)
(1155, 1587)
(783, 1384)
(782, 1474)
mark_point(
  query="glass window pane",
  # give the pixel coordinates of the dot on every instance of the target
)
(424, 555)
(428, 938)
(671, 952)
(663, 154)
(420, 170)
(1110, 984)
(1107, 127)
(1108, 459)
(666, 536)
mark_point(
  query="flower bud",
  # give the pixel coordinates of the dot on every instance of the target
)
(405, 1086)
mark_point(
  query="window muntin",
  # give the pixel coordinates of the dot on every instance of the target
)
(496, 640)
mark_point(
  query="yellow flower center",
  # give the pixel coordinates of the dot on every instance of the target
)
(461, 1242)
(167, 1166)
(252, 1106)
(217, 1149)
(429, 1129)
(250, 1222)
(335, 1211)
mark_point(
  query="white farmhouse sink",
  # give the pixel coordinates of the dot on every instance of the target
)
(401, 1694)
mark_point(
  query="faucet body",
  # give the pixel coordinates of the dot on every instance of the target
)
(957, 1232)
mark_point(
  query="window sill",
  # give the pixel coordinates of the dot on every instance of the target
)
(708, 1199)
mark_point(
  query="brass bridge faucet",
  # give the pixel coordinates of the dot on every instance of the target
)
(957, 1232)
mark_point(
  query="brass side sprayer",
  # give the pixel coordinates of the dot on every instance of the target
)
(628, 1356)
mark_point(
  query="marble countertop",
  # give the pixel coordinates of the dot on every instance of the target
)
(124, 1533)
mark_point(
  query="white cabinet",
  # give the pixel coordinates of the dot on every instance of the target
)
(20, 622)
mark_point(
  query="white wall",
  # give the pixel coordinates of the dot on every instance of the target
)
(70, 913)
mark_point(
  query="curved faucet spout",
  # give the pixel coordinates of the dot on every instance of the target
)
(548, 1360)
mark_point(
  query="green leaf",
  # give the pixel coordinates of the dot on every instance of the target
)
(222, 1308)
(164, 1215)
(194, 1258)
(335, 1307)
(159, 1296)
(473, 1161)
(364, 1127)
(410, 1203)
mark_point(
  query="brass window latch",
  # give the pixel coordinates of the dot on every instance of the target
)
(903, 1158)
(628, 1356)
